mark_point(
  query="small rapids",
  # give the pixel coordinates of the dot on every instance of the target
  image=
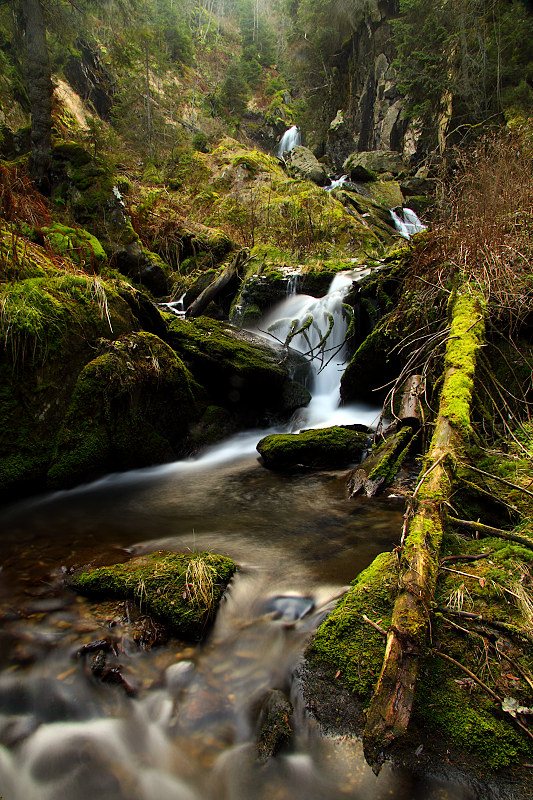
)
(406, 222)
(190, 731)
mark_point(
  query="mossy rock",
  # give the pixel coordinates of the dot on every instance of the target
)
(323, 448)
(239, 371)
(50, 326)
(76, 243)
(183, 590)
(388, 194)
(344, 642)
(132, 406)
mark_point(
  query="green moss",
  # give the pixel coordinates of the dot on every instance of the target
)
(80, 245)
(466, 717)
(326, 447)
(181, 589)
(466, 336)
(345, 642)
(132, 406)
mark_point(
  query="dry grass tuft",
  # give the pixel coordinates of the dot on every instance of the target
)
(19, 199)
(199, 580)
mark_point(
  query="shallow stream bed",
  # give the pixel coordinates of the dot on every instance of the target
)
(189, 730)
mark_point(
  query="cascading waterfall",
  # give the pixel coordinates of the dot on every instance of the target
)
(406, 222)
(289, 140)
(317, 327)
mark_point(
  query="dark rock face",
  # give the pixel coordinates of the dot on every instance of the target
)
(367, 94)
(91, 80)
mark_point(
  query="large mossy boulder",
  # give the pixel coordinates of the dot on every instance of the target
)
(239, 371)
(50, 322)
(367, 165)
(133, 405)
(303, 164)
(183, 590)
(77, 243)
(324, 448)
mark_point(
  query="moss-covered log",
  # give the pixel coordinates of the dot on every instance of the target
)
(390, 708)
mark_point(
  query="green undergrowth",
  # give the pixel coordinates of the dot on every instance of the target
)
(485, 576)
(181, 589)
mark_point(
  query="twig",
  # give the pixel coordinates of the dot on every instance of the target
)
(488, 530)
(497, 478)
(484, 686)
(464, 557)
(374, 625)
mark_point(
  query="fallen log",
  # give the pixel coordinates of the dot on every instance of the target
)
(198, 306)
(385, 460)
(391, 704)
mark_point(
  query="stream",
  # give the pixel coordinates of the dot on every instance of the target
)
(188, 732)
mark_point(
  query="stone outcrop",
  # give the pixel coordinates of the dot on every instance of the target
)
(370, 116)
(301, 163)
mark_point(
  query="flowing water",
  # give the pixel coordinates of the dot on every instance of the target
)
(186, 729)
(289, 140)
(406, 222)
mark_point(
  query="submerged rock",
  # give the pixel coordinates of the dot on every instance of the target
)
(274, 728)
(181, 589)
(326, 447)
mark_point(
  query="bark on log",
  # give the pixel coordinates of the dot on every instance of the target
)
(410, 406)
(385, 460)
(381, 466)
(390, 707)
(215, 287)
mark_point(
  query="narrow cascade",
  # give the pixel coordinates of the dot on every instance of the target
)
(317, 327)
(290, 139)
(176, 306)
(335, 184)
(406, 222)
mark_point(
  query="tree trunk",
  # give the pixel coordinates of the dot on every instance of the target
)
(391, 704)
(199, 305)
(40, 90)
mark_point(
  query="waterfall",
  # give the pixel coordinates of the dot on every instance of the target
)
(406, 222)
(176, 306)
(290, 139)
(317, 327)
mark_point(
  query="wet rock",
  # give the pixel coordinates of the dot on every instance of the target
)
(366, 166)
(289, 607)
(274, 728)
(177, 676)
(181, 589)
(240, 371)
(16, 728)
(327, 447)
